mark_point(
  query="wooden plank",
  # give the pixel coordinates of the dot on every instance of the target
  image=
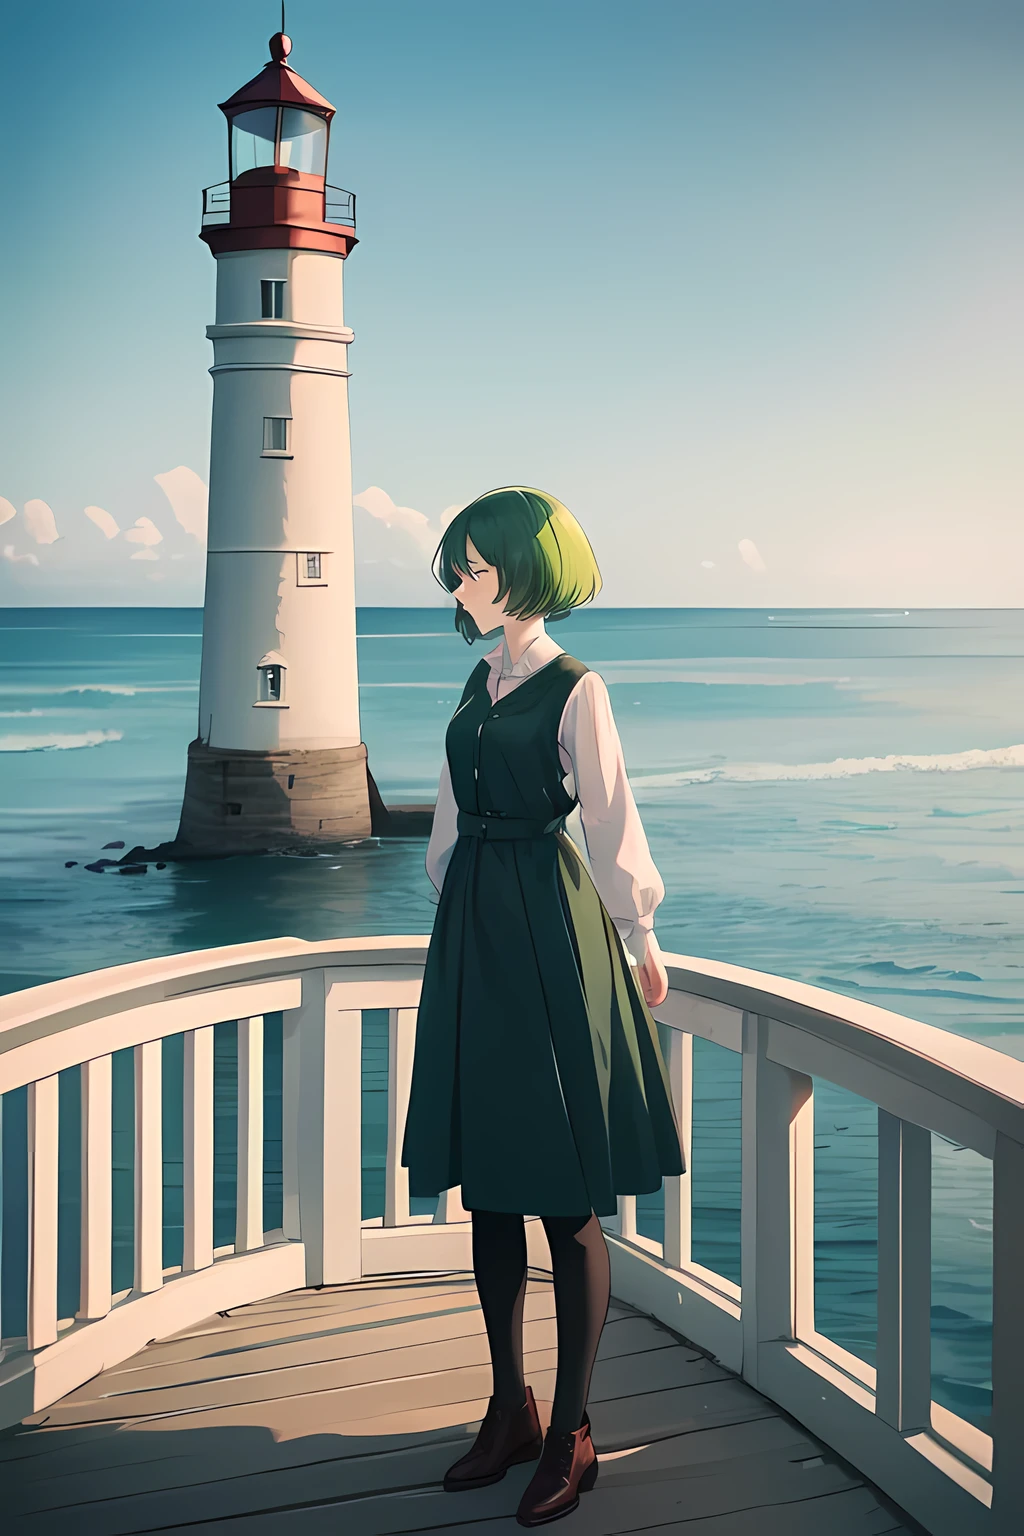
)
(401, 1048)
(538, 1305)
(249, 1198)
(1007, 1337)
(774, 1467)
(240, 1479)
(42, 1212)
(94, 1287)
(903, 1367)
(620, 1337)
(197, 1170)
(613, 1377)
(678, 1191)
(773, 1492)
(149, 1168)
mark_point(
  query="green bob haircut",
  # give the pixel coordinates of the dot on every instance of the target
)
(543, 558)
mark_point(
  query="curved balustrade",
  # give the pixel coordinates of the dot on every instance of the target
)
(948, 1474)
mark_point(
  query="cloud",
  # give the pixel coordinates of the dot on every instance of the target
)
(19, 559)
(144, 554)
(189, 499)
(145, 532)
(379, 505)
(41, 522)
(750, 554)
(104, 522)
(6, 511)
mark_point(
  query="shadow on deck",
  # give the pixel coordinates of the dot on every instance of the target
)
(339, 1410)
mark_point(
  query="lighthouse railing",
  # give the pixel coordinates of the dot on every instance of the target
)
(217, 204)
(788, 1040)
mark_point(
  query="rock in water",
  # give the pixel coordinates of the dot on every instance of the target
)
(112, 845)
(70, 863)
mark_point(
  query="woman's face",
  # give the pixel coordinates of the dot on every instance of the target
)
(478, 591)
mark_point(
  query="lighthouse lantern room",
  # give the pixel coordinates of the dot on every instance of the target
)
(278, 758)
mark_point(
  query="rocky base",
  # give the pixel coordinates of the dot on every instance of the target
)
(404, 821)
(298, 803)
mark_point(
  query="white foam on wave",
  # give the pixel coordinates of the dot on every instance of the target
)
(57, 742)
(840, 768)
(23, 714)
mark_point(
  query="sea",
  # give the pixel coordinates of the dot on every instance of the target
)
(832, 796)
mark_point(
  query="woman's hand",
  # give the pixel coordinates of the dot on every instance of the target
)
(653, 976)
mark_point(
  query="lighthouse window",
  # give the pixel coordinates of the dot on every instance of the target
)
(272, 290)
(275, 434)
(270, 685)
(303, 141)
(253, 136)
(312, 567)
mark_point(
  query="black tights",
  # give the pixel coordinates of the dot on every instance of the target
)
(582, 1283)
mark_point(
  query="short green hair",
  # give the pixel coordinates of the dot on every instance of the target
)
(543, 558)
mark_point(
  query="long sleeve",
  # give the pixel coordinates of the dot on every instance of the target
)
(621, 866)
(444, 831)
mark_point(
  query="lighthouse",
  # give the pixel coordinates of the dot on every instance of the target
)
(278, 760)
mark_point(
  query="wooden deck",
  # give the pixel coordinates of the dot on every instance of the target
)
(338, 1410)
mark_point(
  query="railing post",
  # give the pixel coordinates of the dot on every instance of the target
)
(678, 1191)
(42, 1212)
(197, 1165)
(291, 1039)
(627, 1217)
(249, 1199)
(903, 1394)
(401, 1045)
(329, 1134)
(94, 1290)
(777, 1199)
(149, 1168)
(1007, 1337)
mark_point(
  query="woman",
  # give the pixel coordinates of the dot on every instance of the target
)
(538, 1084)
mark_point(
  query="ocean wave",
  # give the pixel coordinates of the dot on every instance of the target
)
(628, 673)
(57, 742)
(840, 768)
(123, 690)
(22, 714)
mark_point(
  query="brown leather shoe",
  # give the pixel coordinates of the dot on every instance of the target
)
(568, 1467)
(504, 1439)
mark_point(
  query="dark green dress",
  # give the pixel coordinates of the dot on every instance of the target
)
(538, 1082)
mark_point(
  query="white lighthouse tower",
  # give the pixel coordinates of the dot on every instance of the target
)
(278, 759)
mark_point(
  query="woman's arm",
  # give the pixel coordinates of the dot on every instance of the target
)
(444, 831)
(623, 871)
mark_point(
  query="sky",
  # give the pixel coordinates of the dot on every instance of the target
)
(739, 281)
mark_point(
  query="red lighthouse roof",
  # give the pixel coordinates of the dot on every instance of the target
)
(277, 85)
(277, 194)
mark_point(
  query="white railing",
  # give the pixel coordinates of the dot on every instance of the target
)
(948, 1474)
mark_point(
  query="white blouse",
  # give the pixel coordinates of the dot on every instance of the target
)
(589, 750)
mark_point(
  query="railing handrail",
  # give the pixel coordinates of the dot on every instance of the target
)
(977, 1078)
(946, 1472)
(58, 1005)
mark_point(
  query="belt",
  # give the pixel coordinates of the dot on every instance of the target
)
(496, 826)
